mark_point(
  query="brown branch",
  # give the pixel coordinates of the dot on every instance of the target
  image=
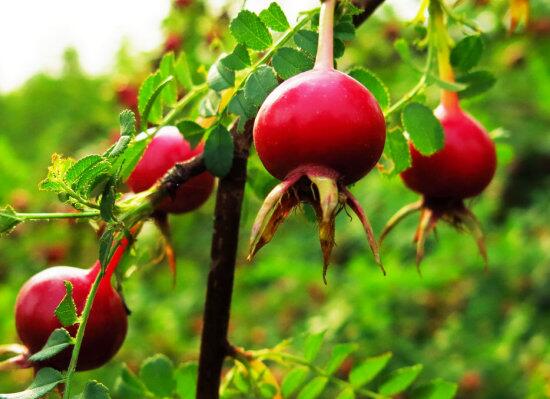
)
(369, 7)
(179, 174)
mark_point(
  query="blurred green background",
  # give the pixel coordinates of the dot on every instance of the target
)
(486, 330)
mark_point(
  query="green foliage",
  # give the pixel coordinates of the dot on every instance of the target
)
(274, 18)
(467, 53)
(249, 30)
(66, 310)
(374, 84)
(238, 59)
(423, 127)
(95, 390)
(259, 84)
(58, 341)
(218, 151)
(157, 374)
(220, 77)
(46, 380)
(289, 62)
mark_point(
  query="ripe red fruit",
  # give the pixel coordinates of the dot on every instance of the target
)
(463, 168)
(127, 95)
(166, 149)
(183, 3)
(107, 325)
(318, 131)
(173, 43)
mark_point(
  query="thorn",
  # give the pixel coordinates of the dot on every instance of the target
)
(398, 217)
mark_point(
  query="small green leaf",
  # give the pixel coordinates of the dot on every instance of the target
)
(8, 219)
(307, 41)
(75, 172)
(66, 310)
(193, 132)
(289, 62)
(477, 82)
(220, 77)
(338, 355)
(436, 389)
(402, 48)
(400, 379)
(240, 380)
(423, 127)
(182, 71)
(128, 386)
(210, 104)
(350, 8)
(95, 390)
(107, 203)
(120, 146)
(238, 59)
(149, 108)
(314, 388)
(274, 18)
(58, 341)
(370, 368)
(45, 381)
(259, 84)
(166, 68)
(397, 148)
(239, 105)
(106, 247)
(186, 379)
(218, 151)
(312, 346)
(93, 177)
(346, 394)
(293, 380)
(127, 121)
(373, 83)
(268, 391)
(131, 156)
(467, 53)
(157, 373)
(344, 30)
(249, 30)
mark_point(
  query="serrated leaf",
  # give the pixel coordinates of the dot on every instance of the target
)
(397, 148)
(128, 386)
(92, 177)
(346, 394)
(274, 18)
(374, 84)
(45, 381)
(239, 105)
(314, 388)
(477, 82)
(95, 390)
(75, 172)
(120, 146)
(106, 250)
(127, 121)
(339, 353)
(423, 127)
(107, 203)
(210, 104)
(436, 389)
(152, 109)
(400, 379)
(186, 380)
(193, 132)
(350, 8)
(289, 62)
(339, 48)
(293, 380)
(238, 59)
(307, 41)
(467, 53)
(66, 310)
(131, 157)
(344, 30)
(370, 368)
(259, 84)
(157, 373)
(58, 341)
(249, 30)
(8, 219)
(182, 71)
(218, 151)
(166, 68)
(220, 77)
(312, 345)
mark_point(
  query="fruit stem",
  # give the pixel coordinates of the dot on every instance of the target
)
(325, 48)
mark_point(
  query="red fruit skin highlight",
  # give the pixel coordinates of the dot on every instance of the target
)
(463, 168)
(166, 149)
(320, 118)
(107, 325)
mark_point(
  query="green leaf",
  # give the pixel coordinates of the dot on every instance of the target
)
(240, 380)
(66, 310)
(477, 82)
(307, 41)
(182, 71)
(445, 84)
(157, 373)
(56, 173)
(370, 368)
(8, 219)
(220, 77)
(218, 151)
(193, 132)
(149, 108)
(293, 380)
(95, 390)
(131, 156)
(210, 103)
(127, 121)
(45, 381)
(402, 48)
(75, 172)
(186, 379)
(268, 391)
(400, 379)
(108, 199)
(274, 18)
(467, 53)
(374, 84)
(260, 181)
(338, 355)
(249, 30)
(436, 389)
(314, 388)
(350, 8)
(166, 68)
(397, 148)
(106, 247)
(128, 386)
(239, 105)
(344, 30)
(259, 84)
(423, 127)
(312, 346)
(58, 341)
(289, 62)
(238, 59)
(93, 177)
(346, 394)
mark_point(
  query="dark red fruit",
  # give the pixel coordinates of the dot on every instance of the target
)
(127, 95)
(463, 168)
(173, 42)
(183, 3)
(107, 325)
(166, 149)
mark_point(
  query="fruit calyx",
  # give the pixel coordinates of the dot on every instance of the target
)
(323, 189)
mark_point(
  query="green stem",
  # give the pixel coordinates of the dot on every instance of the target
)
(80, 334)
(60, 215)
(185, 101)
(325, 48)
